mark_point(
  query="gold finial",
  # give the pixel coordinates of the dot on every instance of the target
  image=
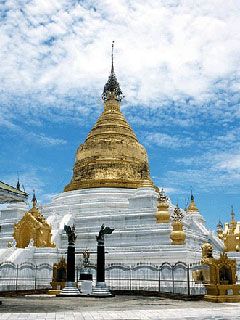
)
(177, 234)
(34, 199)
(162, 196)
(112, 88)
(177, 214)
(162, 215)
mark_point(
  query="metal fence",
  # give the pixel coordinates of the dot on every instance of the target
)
(25, 276)
(167, 278)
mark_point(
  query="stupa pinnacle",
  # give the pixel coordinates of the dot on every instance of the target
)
(111, 156)
(112, 86)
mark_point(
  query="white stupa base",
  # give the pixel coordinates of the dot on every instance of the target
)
(137, 237)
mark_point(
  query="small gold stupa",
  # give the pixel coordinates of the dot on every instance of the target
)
(111, 156)
(230, 234)
(34, 228)
(177, 235)
(162, 214)
(192, 208)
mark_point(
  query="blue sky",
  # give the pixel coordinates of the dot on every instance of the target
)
(178, 66)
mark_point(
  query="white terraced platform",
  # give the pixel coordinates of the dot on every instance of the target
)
(137, 237)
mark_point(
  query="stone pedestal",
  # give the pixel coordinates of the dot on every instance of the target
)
(86, 287)
(86, 280)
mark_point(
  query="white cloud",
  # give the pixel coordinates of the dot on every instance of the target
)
(32, 137)
(213, 170)
(164, 50)
(7, 123)
(166, 141)
(178, 58)
(170, 190)
(44, 140)
(231, 162)
(203, 179)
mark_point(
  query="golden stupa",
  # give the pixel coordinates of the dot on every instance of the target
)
(111, 156)
(192, 208)
(230, 234)
(34, 228)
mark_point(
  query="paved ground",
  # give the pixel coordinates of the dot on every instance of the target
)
(116, 308)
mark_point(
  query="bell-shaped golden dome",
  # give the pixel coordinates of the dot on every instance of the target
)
(111, 156)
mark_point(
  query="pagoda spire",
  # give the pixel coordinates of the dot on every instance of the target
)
(34, 199)
(192, 206)
(112, 70)
(232, 214)
(18, 185)
(192, 196)
(233, 222)
(219, 225)
(112, 88)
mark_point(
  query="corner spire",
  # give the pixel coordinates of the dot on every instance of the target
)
(232, 214)
(34, 199)
(192, 196)
(112, 88)
(219, 225)
(18, 185)
(192, 206)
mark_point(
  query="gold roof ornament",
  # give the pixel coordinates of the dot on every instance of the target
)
(111, 155)
(207, 251)
(192, 208)
(162, 214)
(230, 234)
(33, 229)
(177, 234)
(177, 214)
